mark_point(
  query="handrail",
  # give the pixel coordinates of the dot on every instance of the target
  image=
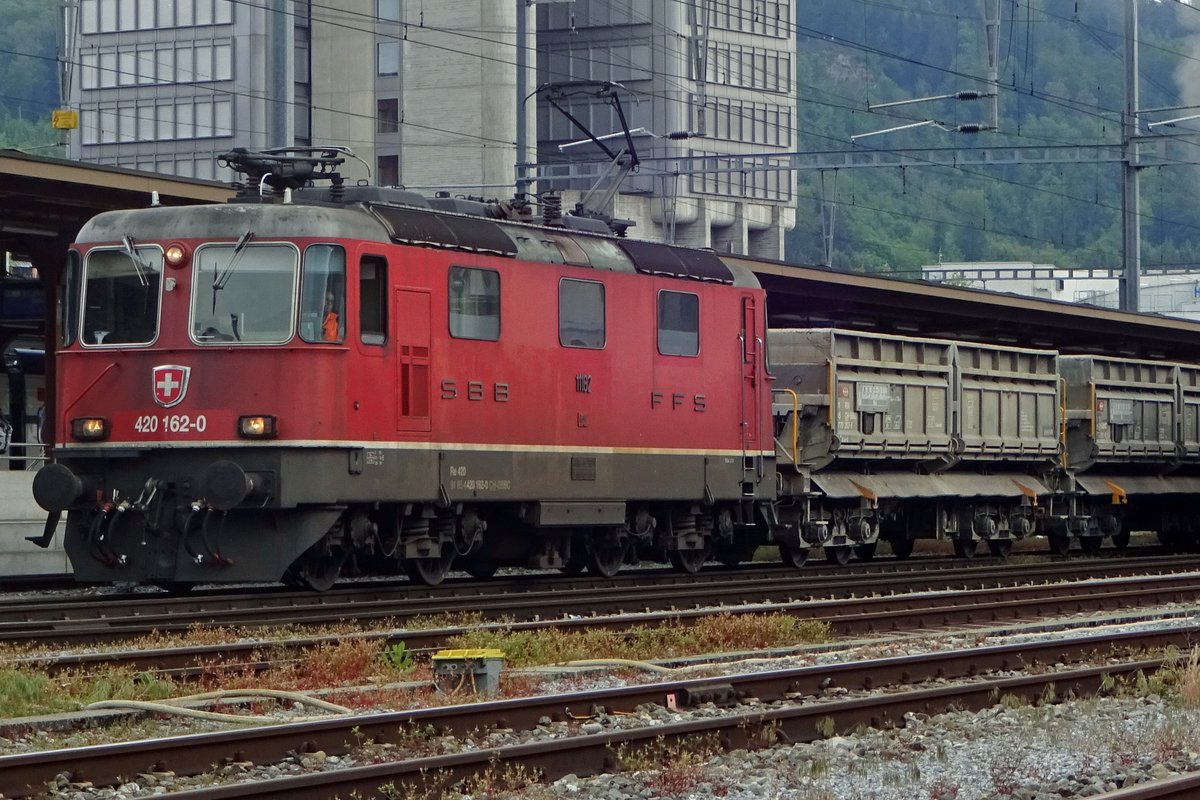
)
(795, 426)
(32, 453)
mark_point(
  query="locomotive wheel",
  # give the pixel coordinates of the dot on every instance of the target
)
(1121, 540)
(605, 559)
(430, 571)
(965, 548)
(1060, 544)
(689, 561)
(793, 556)
(1090, 545)
(838, 555)
(902, 546)
(318, 570)
(865, 552)
(1001, 548)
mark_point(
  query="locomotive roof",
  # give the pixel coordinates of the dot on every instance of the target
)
(372, 219)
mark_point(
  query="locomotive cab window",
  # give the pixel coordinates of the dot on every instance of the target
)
(121, 294)
(323, 294)
(581, 314)
(474, 303)
(678, 324)
(68, 299)
(244, 293)
(372, 300)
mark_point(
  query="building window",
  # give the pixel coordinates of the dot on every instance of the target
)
(581, 314)
(388, 10)
(388, 58)
(678, 324)
(474, 303)
(388, 170)
(387, 118)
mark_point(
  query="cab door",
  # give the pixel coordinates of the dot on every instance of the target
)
(752, 373)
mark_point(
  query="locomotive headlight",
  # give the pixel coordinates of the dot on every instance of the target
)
(89, 429)
(256, 427)
(175, 255)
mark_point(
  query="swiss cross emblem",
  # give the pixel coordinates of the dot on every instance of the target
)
(170, 383)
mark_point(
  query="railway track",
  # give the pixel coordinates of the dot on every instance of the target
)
(763, 708)
(916, 611)
(92, 619)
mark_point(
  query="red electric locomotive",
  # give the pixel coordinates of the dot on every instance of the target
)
(306, 378)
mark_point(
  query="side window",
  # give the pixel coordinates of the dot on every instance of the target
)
(372, 300)
(474, 303)
(68, 299)
(678, 324)
(581, 314)
(323, 294)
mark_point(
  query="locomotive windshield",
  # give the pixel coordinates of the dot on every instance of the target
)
(244, 292)
(121, 293)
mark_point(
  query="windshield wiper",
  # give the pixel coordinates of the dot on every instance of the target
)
(223, 277)
(142, 267)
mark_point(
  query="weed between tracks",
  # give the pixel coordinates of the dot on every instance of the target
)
(361, 670)
(721, 633)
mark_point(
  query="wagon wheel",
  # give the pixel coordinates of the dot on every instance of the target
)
(965, 548)
(838, 555)
(865, 552)
(1090, 545)
(793, 555)
(1060, 543)
(689, 561)
(430, 571)
(1121, 540)
(1001, 548)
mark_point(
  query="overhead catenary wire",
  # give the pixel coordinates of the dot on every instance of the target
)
(500, 142)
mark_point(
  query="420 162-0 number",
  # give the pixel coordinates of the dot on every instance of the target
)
(170, 423)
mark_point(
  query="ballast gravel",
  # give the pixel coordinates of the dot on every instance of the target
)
(1072, 749)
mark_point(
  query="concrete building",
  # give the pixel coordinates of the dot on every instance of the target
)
(723, 72)
(1175, 294)
(425, 94)
(164, 85)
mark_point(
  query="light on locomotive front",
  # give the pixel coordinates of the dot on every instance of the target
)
(89, 429)
(176, 255)
(256, 427)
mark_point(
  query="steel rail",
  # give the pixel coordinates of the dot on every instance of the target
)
(86, 622)
(921, 612)
(23, 775)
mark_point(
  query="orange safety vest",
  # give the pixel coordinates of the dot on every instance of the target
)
(329, 328)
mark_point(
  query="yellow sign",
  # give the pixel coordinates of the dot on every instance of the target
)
(64, 119)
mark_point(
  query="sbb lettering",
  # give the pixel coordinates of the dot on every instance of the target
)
(476, 391)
